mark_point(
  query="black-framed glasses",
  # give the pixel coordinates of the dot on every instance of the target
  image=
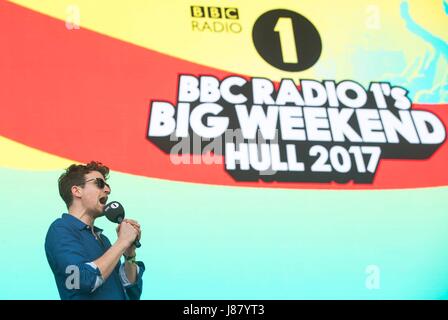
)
(100, 183)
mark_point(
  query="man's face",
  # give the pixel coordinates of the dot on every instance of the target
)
(93, 197)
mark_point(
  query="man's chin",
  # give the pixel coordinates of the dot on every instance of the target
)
(99, 212)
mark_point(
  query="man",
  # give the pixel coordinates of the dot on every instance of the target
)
(84, 263)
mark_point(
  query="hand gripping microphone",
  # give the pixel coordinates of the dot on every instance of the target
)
(114, 211)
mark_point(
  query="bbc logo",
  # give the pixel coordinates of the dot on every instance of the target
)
(214, 12)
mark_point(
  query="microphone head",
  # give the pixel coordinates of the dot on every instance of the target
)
(114, 211)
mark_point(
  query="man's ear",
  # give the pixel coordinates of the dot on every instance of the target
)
(76, 191)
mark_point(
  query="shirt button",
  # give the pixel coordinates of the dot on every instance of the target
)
(88, 227)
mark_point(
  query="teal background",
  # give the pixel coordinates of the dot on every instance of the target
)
(213, 242)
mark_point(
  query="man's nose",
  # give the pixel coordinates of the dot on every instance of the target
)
(107, 189)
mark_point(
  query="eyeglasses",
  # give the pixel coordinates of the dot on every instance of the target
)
(100, 183)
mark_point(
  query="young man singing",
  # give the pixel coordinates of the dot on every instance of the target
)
(84, 263)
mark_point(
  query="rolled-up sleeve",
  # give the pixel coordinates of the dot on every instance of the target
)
(133, 290)
(67, 259)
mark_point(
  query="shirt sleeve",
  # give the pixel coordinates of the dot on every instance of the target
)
(133, 290)
(67, 259)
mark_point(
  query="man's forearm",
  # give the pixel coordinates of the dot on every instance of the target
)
(107, 262)
(131, 271)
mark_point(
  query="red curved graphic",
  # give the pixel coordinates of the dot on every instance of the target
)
(82, 95)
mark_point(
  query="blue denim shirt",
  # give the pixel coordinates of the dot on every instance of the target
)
(71, 248)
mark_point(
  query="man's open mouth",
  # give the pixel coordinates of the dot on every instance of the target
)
(103, 200)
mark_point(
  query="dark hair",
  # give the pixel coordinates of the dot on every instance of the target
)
(75, 176)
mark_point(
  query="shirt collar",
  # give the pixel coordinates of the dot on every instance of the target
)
(78, 223)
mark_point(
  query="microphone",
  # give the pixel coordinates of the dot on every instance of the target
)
(114, 211)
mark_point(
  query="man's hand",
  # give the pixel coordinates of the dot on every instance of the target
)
(128, 231)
